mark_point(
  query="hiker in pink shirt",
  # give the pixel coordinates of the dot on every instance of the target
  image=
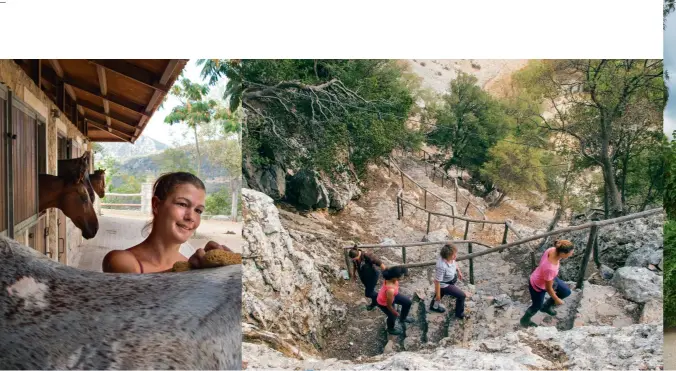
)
(544, 280)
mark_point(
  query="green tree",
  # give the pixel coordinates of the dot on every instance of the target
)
(324, 114)
(514, 169)
(174, 159)
(194, 109)
(468, 123)
(585, 102)
(218, 203)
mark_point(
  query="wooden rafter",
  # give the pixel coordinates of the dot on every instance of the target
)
(101, 111)
(103, 86)
(59, 72)
(124, 136)
(131, 71)
(164, 79)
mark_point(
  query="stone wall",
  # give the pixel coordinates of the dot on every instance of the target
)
(26, 90)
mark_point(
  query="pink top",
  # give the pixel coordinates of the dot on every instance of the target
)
(545, 271)
(382, 294)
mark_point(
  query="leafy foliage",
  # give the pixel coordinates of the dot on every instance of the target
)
(174, 159)
(468, 123)
(195, 109)
(219, 202)
(514, 169)
(318, 114)
(670, 273)
(608, 108)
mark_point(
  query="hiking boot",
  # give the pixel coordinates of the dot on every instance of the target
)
(394, 331)
(526, 319)
(370, 307)
(437, 307)
(548, 310)
(407, 320)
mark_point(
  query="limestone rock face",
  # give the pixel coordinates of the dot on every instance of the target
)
(638, 243)
(58, 317)
(286, 281)
(585, 348)
(638, 284)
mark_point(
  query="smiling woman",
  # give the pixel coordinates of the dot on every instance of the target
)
(177, 206)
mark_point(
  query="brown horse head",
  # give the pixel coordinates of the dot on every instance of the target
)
(98, 181)
(71, 169)
(72, 193)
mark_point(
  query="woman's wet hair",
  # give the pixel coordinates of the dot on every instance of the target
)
(448, 250)
(394, 272)
(353, 253)
(563, 247)
(165, 184)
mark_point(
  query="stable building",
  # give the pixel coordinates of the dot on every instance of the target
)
(54, 109)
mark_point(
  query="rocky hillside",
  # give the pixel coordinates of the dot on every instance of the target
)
(296, 302)
(492, 74)
(144, 146)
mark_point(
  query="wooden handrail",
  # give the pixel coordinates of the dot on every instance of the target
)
(391, 162)
(599, 224)
(414, 244)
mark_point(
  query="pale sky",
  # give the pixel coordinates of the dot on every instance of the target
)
(670, 66)
(177, 133)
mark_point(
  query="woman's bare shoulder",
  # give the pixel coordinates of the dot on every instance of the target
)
(120, 261)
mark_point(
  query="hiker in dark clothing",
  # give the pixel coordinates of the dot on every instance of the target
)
(365, 264)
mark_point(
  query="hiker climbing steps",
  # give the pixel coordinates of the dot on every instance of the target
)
(497, 302)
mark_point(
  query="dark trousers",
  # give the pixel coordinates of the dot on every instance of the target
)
(370, 283)
(562, 291)
(405, 303)
(459, 295)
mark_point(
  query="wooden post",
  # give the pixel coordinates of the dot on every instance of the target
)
(398, 209)
(471, 264)
(347, 263)
(585, 258)
(504, 235)
(453, 214)
(401, 204)
(429, 216)
(466, 207)
(466, 229)
(403, 253)
(596, 252)
(425, 198)
(456, 192)
(402, 179)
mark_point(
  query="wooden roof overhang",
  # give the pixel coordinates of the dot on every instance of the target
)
(109, 100)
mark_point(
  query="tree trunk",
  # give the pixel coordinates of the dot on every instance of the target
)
(197, 147)
(235, 198)
(613, 194)
(499, 200)
(625, 164)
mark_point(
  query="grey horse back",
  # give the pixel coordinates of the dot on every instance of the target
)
(57, 317)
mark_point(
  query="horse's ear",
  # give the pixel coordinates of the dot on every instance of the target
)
(80, 177)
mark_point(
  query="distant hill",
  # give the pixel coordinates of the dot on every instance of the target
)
(215, 177)
(144, 146)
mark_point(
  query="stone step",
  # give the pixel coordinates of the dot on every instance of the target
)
(601, 305)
